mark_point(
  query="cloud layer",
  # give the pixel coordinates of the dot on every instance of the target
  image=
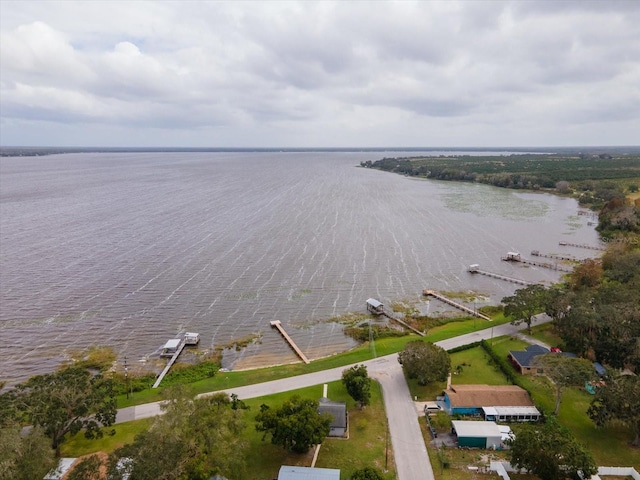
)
(320, 74)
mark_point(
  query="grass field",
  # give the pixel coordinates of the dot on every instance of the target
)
(125, 432)
(609, 446)
(365, 446)
(477, 368)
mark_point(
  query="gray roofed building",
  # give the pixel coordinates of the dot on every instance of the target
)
(338, 411)
(523, 360)
(307, 473)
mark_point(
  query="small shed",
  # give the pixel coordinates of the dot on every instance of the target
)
(338, 412)
(477, 434)
(170, 347)
(308, 473)
(374, 306)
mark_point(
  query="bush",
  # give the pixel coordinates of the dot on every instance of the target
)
(182, 373)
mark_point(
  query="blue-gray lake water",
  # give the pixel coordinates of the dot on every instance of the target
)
(132, 249)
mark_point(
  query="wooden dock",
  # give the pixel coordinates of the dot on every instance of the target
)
(170, 363)
(582, 245)
(459, 306)
(552, 266)
(392, 316)
(278, 325)
(536, 253)
(476, 269)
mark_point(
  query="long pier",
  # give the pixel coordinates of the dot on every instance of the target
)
(391, 316)
(536, 253)
(278, 325)
(171, 361)
(518, 258)
(459, 306)
(582, 245)
(476, 269)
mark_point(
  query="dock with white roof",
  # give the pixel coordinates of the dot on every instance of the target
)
(173, 348)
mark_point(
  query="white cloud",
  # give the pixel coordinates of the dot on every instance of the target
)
(291, 73)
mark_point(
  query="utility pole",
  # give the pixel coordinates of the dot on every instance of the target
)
(386, 448)
(126, 376)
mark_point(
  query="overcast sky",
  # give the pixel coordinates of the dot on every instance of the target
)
(319, 74)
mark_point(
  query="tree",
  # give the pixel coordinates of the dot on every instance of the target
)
(550, 452)
(425, 362)
(587, 274)
(24, 457)
(358, 384)
(556, 302)
(367, 473)
(195, 439)
(92, 467)
(67, 401)
(565, 372)
(524, 304)
(296, 425)
(618, 401)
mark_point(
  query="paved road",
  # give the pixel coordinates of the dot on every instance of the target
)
(410, 453)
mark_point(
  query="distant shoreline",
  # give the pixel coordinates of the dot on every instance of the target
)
(26, 151)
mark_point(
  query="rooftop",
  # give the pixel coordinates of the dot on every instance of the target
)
(488, 396)
(306, 473)
(470, 428)
(525, 358)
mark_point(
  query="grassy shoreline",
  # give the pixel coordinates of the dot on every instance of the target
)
(384, 346)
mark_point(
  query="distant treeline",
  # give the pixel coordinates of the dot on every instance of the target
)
(515, 171)
(597, 180)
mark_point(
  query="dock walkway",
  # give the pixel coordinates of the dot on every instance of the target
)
(278, 325)
(536, 253)
(170, 363)
(459, 306)
(392, 316)
(552, 266)
(582, 245)
(475, 269)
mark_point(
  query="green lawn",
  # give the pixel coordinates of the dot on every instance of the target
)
(78, 445)
(367, 441)
(609, 446)
(365, 446)
(477, 368)
(546, 334)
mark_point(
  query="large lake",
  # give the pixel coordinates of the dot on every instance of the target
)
(130, 250)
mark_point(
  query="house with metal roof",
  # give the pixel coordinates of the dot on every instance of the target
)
(479, 434)
(469, 399)
(339, 415)
(308, 473)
